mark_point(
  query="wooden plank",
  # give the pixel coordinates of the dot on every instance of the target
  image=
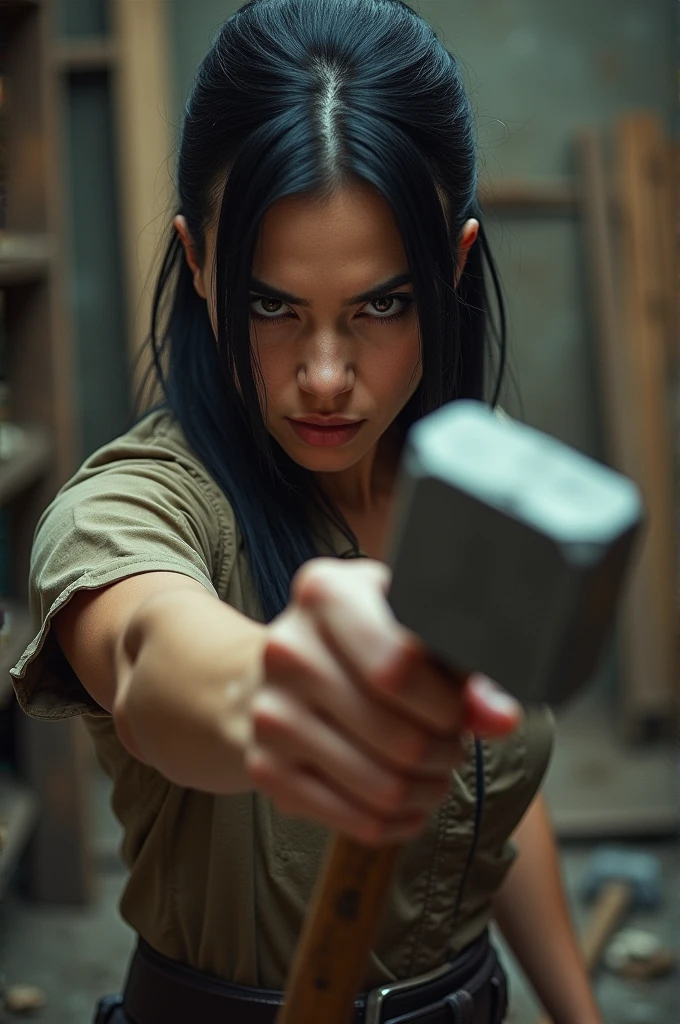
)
(61, 376)
(39, 373)
(666, 171)
(616, 383)
(632, 353)
(15, 635)
(145, 146)
(615, 380)
(56, 763)
(80, 55)
(23, 129)
(24, 257)
(17, 818)
(650, 632)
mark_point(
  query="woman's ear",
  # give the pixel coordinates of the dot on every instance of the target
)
(180, 223)
(467, 239)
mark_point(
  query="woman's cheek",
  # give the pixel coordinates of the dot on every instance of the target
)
(394, 370)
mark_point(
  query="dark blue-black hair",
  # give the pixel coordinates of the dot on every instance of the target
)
(305, 96)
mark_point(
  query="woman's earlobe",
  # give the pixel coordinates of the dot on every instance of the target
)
(467, 239)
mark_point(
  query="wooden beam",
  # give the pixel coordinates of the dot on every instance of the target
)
(55, 761)
(145, 147)
(616, 381)
(78, 55)
(40, 372)
(650, 622)
(558, 198)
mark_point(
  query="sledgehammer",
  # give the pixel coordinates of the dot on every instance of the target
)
(508, 552)
(615, 881)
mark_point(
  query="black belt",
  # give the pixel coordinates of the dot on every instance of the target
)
(470, 990)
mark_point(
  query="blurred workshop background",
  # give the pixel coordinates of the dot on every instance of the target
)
(578, 138)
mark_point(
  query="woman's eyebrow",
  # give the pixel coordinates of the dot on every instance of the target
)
(278, 293)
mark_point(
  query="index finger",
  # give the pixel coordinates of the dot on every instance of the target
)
(356, 620)
(349, 599)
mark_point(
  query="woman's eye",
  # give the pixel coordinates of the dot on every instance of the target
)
(270, 309)
(385, 308)
(389, 307)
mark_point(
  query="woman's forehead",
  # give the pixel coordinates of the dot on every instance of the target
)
(355, 224)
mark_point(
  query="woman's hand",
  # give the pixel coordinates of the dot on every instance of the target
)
(354, 726)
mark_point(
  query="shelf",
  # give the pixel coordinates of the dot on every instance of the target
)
(18, 809)
(25, 456)
(94, 54)
(15, 636)
(24, 257)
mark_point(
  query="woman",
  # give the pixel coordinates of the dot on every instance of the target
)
(323, 287)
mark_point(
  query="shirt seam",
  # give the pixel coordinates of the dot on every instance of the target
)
(215, 496)
(90, 580)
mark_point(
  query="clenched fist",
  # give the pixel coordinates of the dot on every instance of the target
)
(353, 724)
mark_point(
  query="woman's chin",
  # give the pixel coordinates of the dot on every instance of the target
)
(320, 459)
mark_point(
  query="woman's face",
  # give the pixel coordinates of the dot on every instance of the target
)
(333, 325)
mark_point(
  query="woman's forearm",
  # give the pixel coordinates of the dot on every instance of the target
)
(186, 672)
(532, 913)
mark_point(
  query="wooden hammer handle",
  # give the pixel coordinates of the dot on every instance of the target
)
(330, 960)
(609, 908)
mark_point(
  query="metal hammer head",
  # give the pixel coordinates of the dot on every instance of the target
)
(509, 550)
(641, 871)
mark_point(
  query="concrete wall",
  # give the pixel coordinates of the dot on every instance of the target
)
(537, 71)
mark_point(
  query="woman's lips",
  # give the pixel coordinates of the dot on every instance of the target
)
(326, 436)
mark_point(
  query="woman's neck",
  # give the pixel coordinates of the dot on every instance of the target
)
(366, 488)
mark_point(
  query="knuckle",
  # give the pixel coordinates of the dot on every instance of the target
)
(277, 654)
(270, 715)
(310, 582)
(392, 676)
(259, 766)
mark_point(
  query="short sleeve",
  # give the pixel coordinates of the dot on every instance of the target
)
(141, 504)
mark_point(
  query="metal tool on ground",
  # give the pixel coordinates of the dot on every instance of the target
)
(638, 955)
(508, 552)
(616, 881)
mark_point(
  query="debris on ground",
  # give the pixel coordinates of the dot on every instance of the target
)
(638, 955)
(24, 998)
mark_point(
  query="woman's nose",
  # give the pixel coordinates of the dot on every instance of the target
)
(326, 371)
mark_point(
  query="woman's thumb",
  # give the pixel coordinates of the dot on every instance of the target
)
(489, 710)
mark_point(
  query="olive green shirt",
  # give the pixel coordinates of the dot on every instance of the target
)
(222, 883)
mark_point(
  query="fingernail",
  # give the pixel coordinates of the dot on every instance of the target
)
(494, 697)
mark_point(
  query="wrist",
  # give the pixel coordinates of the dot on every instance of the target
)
(186, 682)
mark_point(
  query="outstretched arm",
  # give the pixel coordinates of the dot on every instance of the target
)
(531, 912)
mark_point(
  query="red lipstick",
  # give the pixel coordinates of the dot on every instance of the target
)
(326, 431)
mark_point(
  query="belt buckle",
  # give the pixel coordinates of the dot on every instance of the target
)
(377, 996)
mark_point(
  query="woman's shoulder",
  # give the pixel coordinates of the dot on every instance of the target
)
(152, 455)
(157, 435)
